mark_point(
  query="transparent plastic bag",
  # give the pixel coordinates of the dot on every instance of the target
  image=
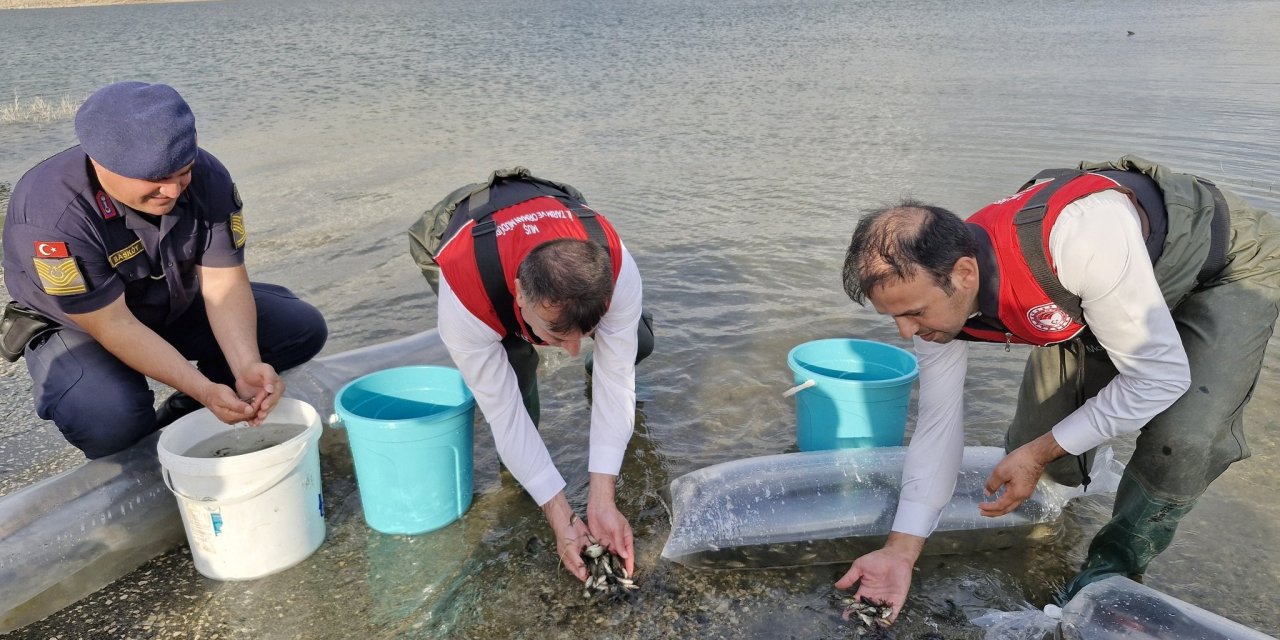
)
(1024, 624)
(69, 535)
(1118, 608)
(822, 507)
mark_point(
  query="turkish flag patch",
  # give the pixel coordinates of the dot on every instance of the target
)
(51, 249)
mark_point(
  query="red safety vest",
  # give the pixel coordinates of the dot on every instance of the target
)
(520, 229)
(1028, 313)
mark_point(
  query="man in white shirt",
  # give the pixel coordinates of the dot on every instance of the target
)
(1151, 295)
(519, 261)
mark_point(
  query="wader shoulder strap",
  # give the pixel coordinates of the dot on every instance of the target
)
(1220, 229)
(1060, 176)
(483, 204)
(1029, 223)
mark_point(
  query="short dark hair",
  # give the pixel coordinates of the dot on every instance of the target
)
(573, 275)
(898, 241)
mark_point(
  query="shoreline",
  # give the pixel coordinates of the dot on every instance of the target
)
(65, 4)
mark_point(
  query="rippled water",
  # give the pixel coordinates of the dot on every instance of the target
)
(733, 144)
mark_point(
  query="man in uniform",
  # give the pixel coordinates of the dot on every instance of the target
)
(1151, 295)
(517, 262)
(127, 250)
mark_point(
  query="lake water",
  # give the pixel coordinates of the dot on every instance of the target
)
(734, 145)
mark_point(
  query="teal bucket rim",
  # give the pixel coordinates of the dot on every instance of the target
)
(467, 404)
(909, 376)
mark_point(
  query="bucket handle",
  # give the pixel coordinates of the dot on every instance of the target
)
(798, 388)
(263, 488)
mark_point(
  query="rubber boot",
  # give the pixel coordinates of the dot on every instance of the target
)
(178, 404)
(1140, 528)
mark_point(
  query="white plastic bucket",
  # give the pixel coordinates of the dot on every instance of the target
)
(253, 514)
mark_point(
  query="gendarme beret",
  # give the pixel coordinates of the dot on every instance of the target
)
(137, 130)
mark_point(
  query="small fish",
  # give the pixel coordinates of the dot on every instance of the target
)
(607, 574)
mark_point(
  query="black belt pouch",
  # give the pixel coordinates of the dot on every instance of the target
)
(18, 327)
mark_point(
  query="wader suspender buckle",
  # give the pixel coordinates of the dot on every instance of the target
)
(482, 205)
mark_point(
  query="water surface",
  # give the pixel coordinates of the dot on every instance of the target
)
(734, 145)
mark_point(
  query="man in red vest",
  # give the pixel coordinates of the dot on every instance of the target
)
(1151, 295)
(523, 261)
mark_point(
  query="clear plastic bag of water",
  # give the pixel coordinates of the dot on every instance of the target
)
(822, 507)
(1114, 608)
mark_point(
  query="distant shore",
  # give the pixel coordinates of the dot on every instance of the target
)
(47, 4)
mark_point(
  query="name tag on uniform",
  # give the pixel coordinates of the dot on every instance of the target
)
(120, 256)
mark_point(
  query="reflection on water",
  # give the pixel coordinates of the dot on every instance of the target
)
(733, 144)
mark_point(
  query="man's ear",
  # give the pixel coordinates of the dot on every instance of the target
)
(964, 274)
(519, 295)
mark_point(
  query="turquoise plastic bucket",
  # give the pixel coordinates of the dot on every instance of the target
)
(858, 396)
(410, 433)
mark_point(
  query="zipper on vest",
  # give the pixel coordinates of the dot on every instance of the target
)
(1008, 341)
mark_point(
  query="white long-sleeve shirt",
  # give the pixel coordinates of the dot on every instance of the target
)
(477, 351)
(1098, 250)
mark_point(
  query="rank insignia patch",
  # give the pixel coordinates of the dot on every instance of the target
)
(235, 195)
(60, 276)
(105, 206)
(238, 234)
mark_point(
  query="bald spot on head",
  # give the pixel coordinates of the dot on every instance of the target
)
(901, 242)
(876, 254)
(886, 232)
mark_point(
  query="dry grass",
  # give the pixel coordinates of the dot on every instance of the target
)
(38, 109)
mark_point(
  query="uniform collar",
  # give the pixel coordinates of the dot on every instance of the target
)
(137, 221)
